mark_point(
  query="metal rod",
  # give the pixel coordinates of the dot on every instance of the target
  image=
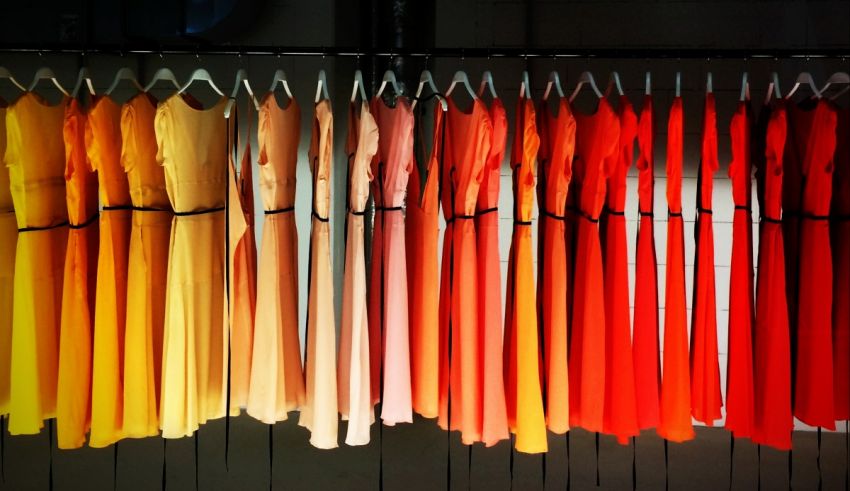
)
(458, 52)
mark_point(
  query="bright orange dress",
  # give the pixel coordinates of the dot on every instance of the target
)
(8, 239)
(557, 147)
(192, 146)
(597, 140)
(493, 418)
(467, 145)
(147, 267)
(35, 156)
(422, 229)
(524, 392)
(320, 412)
(73, 397)
(840, 232)
(620, 417)
(675, 408)
(277, 379)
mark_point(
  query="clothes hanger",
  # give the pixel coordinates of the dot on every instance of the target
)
(836, 78)
(45, 73)
(241, 79)
(554, 81)
(614, 82)
(360, 87)
(807, 79)
(5, 73)
(201, 75)
(525, 86)
(487, 83)
(586, 78)
(124, 73)
(840, 93)
(745, 88)
(709, 84)
(389, 78)
(321, 87)
(772, 88)
(678, 84)
(648, 83)
(461, 77)
(280, 77)
(162, 74)
(426, 79)
(83, 78)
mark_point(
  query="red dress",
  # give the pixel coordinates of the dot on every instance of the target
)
(675, 410)
(706, 400)
(597, 138)
(620, 404)
(840, 231)
(739, 368)
(645, 329)
(813, 383)
(772, 420)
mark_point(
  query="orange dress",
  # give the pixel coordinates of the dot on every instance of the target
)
(35, 156)
(355, 396)
(103, 145)
(675, 407)
(597, 140)
(840, 232)
(422, 229)
(147, 267)
(277, 379)
(620, 418)
(8, 238)
(522, 357)
(73, 398)
(192, 146)
(557, 147)
(319, 414)
(467, 145)
(493, 418)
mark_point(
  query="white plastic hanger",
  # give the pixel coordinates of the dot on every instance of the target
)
(648, 83)
(201, 75)
(5, 73)
(321, 87)
(389, 78)
(807, 79)
(280, 77)
(162, 74)
(745, 88)
(586, 78)
(836, 78)
(524, 86)
(554, 81)
(461, 77)
(709, 83)
(360, 87)
(487, 83)
(678, 84)
(426, 79)
(241, 79)
(45, 73)
(83, 78)
(772, 88)
(614, 83)
(840, 93)
(124, 74)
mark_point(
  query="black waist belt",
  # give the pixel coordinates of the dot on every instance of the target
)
(145, 209)
(554, 216)
(587, 217)
(357, 213)
(707, 211)
(812, 216)
(522, 222)
(118, 208)
(615, 212)
(320, 217)
(671, 213)
(486, 211)
(39, 229)
(743, 207)
(768, 219)
(90, 220)
(387, 208)
(198, 212)
(646, 213)
(280, 210)
(459, 217)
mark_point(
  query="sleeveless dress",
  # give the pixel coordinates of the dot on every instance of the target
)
(73, 398)
(739, 367)
(706, 399)
(319, 414)
(840, 232)
(390, 168)
(522, 357)
(8, 239)
(675, 405)
(555, 157)
(645, 329)
(103, 144)
(147, 267)
(355, 396)
(277, 379)
(35, 156)
(192, 147)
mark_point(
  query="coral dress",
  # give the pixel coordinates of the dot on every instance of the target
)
(706, 400)
(355, 396)
(277, 379)
(35, 156)
(8, 239)
(192, 146)
(815, 136)
(620, 418)
(675, 409)
(73, 398)
(597, 141)
(423, 287)
(645, 329)
(557, 146)
(739, 368)
(772, 420)
(319, 414)
(840, 232)
(390, 167)
(524, 393)
(147, 267)
(103, 144)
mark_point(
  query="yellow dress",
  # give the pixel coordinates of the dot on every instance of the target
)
(147, 267)
(35, 156)
(73, 398)
(8, 238)
(192, 146)
(103, 145)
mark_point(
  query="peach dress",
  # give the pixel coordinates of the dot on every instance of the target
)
(8, 239)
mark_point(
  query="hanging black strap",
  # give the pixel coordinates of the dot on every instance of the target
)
(115, 466)
(196, 461)
(271, 457)
(758, 454)
(199, 212)
(820, 471)
(597, 459)
(731, 459)
(2, 449)
(50, 454)
(666, 466)
(381, 451)
(790, 467)
(568, 460)
(90, 220)
(288, 209)
(847, 454)
(543, 468)
(511, 460)
(164, 461)
(634, 465)
(39, 229)
(469, 468)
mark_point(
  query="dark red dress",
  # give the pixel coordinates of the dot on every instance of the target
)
(840, 231)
